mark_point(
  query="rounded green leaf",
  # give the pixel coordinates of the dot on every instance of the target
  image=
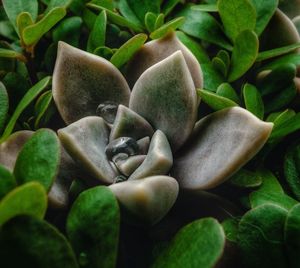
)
(244, 54)
(246, 179)
(253, 100)
(260, 237)
(170, 26)
(93, 227)
(3, 105)
(30, 242)
(227, 91)
(29, 199)
(39, 159)
(199, 244)
(237, 16)
(7, 181)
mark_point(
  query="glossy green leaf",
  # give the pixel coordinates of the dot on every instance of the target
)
(212, 79)
(253, 100)
(8, 53)
(104, 52)
(264, 12)
(203, 26)
(39, 159)
(170, 26)
(283, 116)
(243, 55)
(26, 100)
(237, 16)
(246, 179)
(289, 126)
(117, 19)
(23, 20)
(128, 13)
(14, 7)
(97, 35)
(7, 181)
(141, 7)
(159, 21)
(292, 169)
(270, 183)
(32, 34)
(206, 7)
(194, 47)
(276, 52)
(282, 99)
(95, 239)
(227, 91)
(260, 237)
(198, 244)
(4, 103)
(68, 31)
(150, 19)
(126, 51)
(216, 102)
(292, 235)
(30, 242)
(28, 199)
(41, 107)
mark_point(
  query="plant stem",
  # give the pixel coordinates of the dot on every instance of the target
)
(31, 68)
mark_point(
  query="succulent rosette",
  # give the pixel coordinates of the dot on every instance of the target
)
(138, 132)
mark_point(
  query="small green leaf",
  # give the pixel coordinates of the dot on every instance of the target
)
(117, 19)
(29, 199)
(26, 100)
(198, 244)
(170, 26)
(57, 3)
(253, 100)
(264, 11)
(41, 106)
(260, 237)
(224, 56)
(227, 91)
(194, 46)
(243, 55)
(246, 179)
(270, 183)
(283, 116)
(292, 235)
(104, 52)
(212, 79)
(237, 16)
(32, 34)
(4, 104)
(168, 6)
(215, 101)
(292, 169)
(203, 26)
(23, 20)
(286, 128)
(68, 31)
(159, 21)
(206, 7)
(276, 52)
(150, 19)
(97, 35)
(14, 7)
(26, 241)
(230, 227)
(8, 53)
(96, 237)
(126, 51)
(7, 181)
(219, 65)
(39, 159)
(141, 7)
(127, 12)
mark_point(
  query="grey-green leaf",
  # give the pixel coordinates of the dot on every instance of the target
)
(198, 244)
(39, 159)
(95, 239)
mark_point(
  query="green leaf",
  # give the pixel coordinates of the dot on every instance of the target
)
(7, 30)
(28, 199)
(196, 48)
(286, 59)
(104, 52)
(141, 7)
(237, 16)
(215, 101)
(198, 244)
(276, 52)
(284, 116)
(26, 100)
(224, 56)
(97, 35)
(150, 19)
(292, 235)
(117, 19)
(32, 34)
(261, 237)
(253, 100)
(246, 179)
(4, 104)
(68, 31)
(270, 183)
(230, 227)
(282, 99)
(23, 20)
(219, 66)
(168, 6)
(170, 26)
(206, 7)
(212, 79)
(227, 91)
(39, 159)
(243, 55)
(126, 51)
(96, 237)
(292, 169)
(30, 242)
(7, 181)
(159, 21)
(128, 13)
(14, 7)
(203, 26)
(41, 106)
(264, 12)
(57, 3)
(8, 53)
